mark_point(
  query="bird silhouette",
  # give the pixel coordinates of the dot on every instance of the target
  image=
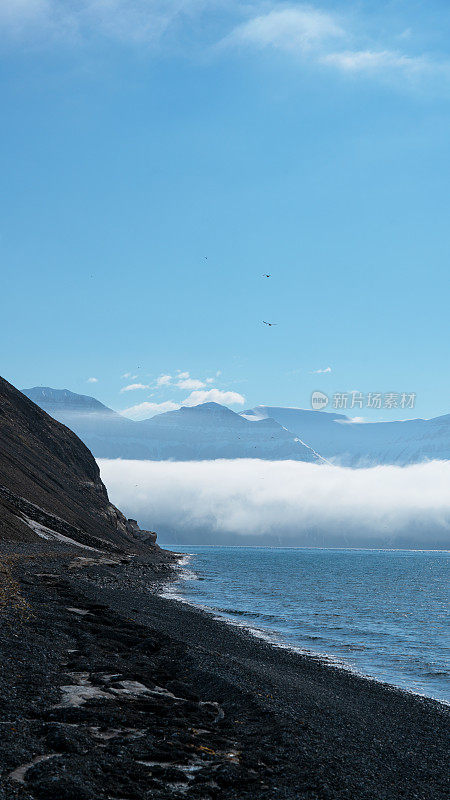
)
(266, 274)
(270, 324)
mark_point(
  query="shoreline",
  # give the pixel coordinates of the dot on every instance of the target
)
(306, 547)
(194, 706)
(276, 639)
(322, 658)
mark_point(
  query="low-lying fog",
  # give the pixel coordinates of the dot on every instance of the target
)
(284, 502)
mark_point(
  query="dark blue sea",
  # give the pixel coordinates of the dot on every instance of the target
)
(382, 613)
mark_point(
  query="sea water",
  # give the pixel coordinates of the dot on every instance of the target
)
(382, 613)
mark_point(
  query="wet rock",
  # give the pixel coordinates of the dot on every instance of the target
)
(66, 739)
(182, 690)
(62, 787)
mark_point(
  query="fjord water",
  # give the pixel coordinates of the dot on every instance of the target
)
(382, 613)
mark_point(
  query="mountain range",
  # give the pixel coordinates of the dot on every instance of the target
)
(363, 444)
(204, 432)
(211, 431)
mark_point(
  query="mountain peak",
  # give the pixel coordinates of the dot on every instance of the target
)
(48, 398)
(209, 408)
(204, 414)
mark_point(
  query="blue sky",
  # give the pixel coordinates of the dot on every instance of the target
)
(158, 157)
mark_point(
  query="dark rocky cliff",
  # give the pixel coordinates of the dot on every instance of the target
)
(49, 478)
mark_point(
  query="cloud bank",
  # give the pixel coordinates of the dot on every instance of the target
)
(285, 503)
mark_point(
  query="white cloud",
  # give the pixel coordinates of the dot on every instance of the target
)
(128, 375)
(358, 421)
(294, 29)
(183, 380)
(163, 380)
(210, 380)
(360, 61)
(285, 502)
(312, 35)
(344, 43)
(214, 396)
(321, 371)
(190, 383)
(146, 409)
(133, 386)
(92, 380)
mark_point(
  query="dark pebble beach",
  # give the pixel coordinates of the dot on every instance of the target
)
(110, 691)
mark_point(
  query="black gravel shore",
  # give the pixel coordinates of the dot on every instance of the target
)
(110, 691)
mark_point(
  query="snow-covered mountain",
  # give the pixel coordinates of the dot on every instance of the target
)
(348, 443)
(204, 432)
(210, 431)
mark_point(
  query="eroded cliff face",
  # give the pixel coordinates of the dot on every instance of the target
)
(50, 482)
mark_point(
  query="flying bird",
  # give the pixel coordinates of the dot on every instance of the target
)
(266, 274)
(270, 324)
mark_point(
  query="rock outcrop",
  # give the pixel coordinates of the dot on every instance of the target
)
(50, 483)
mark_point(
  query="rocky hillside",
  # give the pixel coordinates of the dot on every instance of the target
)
(50, 484)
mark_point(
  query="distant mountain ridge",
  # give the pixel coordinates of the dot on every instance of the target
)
(205, 432)
(211, 431)
(361, 444)
(65, 399)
